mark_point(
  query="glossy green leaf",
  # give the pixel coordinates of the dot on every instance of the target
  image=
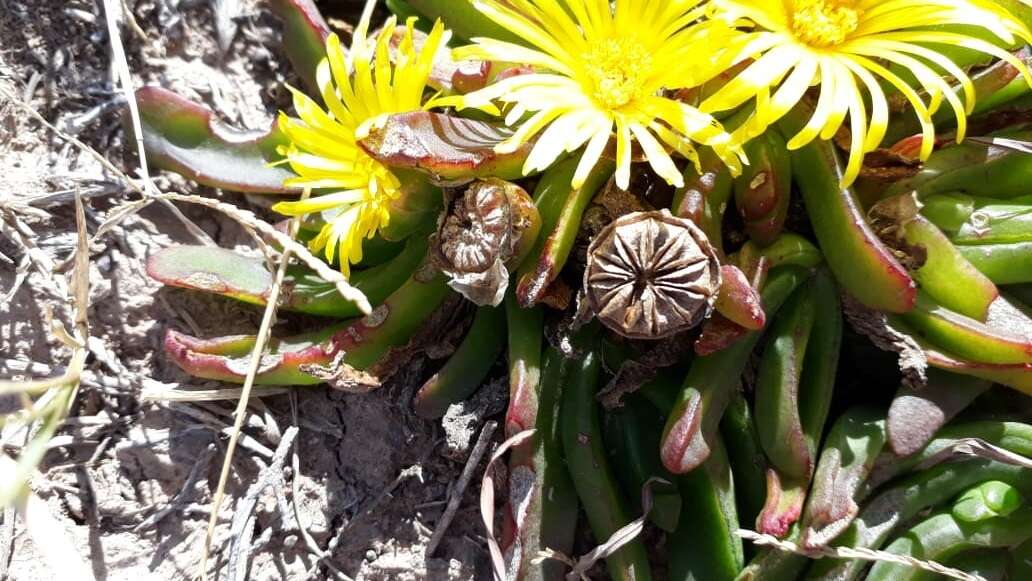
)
(182, 136)
(304, 37)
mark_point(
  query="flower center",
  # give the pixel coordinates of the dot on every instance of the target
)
(617, 69)
(824, 23)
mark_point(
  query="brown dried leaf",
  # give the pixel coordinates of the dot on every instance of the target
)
(487, 502)
(486, 228)
(875, 326)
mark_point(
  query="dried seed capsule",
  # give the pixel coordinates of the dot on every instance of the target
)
(651, 275)
(489, 227)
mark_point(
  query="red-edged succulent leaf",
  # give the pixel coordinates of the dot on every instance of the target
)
(946, 275)
(1006, 340)
(304, 36)
(228, 358)
(718, 333)
(706, 391)
(1015, 375)
(1018, 376)
(214, 270)
(783, 507)
(244, 278)
(340, 354)
(763, 190)
(185, 137)
(738, 300)
(862, 264)
(916, 414)
(449, 149)
(739, 308)
(848, 456)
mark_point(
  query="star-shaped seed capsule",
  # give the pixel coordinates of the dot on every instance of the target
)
(651, 275)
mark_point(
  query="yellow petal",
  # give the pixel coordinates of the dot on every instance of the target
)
(623, 155)
(592, 153)
(657, 157)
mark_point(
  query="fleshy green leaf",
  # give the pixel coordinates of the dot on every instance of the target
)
(185, 137)
(304, 36)
(246, 279)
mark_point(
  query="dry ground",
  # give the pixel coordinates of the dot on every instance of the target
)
(131, 480)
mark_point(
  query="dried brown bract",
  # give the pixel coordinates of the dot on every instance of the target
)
(491, 225)
(889, 218)
(651, 275)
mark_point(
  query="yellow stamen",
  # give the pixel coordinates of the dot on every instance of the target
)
(616, 69)
(824, 23)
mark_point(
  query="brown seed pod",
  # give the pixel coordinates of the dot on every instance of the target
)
(490, 225)
(651, 275)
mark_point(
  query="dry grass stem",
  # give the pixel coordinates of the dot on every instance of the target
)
(859, 553)
(112, 8)
(58, 393)
(264, 331)
(625, 534)
(179, 393)
(105, 163)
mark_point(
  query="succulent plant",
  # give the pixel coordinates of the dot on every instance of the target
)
(731, 290)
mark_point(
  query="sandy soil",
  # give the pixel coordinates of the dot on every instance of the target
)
(132, 481)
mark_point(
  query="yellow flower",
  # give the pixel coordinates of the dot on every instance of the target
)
(358, 89)
(599, 71)
(845, 46)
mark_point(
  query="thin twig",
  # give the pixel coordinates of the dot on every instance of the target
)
(243, 517)
(460, 486)
(185, 494)
(306, 536)
(208, 419)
